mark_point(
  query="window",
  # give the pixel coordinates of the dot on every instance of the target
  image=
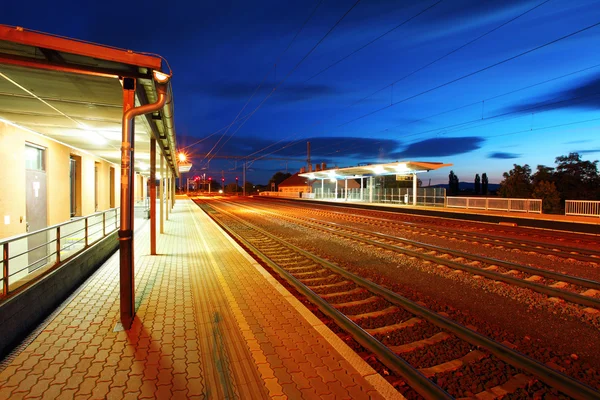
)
(34, 158)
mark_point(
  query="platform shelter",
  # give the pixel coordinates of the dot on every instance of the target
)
(370, 171)
(80, 124)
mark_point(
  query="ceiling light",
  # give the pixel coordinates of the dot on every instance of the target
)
(161, 77)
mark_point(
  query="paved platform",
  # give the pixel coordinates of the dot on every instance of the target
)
(210, 323)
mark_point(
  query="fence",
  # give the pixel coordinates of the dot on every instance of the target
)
(582, 207)
(425, 196)
(294, 195)
(496, 204)
(27, 257)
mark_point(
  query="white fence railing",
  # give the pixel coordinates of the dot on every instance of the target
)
(30, 256)
(582, 207)
(294, 195)
(425, 196)
(496, 204)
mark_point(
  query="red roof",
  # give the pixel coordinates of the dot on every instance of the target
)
(295, 180)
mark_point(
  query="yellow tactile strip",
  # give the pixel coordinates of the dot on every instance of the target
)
(294, 361)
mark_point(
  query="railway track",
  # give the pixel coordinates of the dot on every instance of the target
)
(550, 236)
(549, 245)
(570, 288)
(434, 355)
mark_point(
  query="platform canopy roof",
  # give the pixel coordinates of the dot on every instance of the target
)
(71, 91)
(401, 168)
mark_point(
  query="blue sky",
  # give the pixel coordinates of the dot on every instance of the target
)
(530, 109)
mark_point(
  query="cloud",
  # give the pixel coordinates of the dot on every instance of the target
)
(589, 151)
(582, 95)
(578, 141)
(503, 156)
(440, 147)
(288, 92)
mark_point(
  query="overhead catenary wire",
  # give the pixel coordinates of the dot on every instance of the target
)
(472, 73)
(427, 65)
(521, 114)
(376, 39)
(477, 102)
(261, 83)
(302, 60)
(354, 52)
(477, 122)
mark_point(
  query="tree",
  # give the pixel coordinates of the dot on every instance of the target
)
(249, 188)
(477, 184)
(453, 184)
(577, 179)
(550, 197)
(516, 182)
(543, 173)
(232, 188)
(484, 184)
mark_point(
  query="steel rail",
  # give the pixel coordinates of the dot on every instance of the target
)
(551, 377)
(590, 254)
(413, 376)
(507, 264)
(479, 271)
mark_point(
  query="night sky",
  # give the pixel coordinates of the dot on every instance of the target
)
(480, 84)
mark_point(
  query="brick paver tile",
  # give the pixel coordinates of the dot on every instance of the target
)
(309, 394)
(319, 386)
(165, 377)
(148, 389)
(16, 379)
(87, 386)
(133, 384)
(83, 365)
(164, 392)
(36, 390)
(282, 375)
(107, 373)
(26, 384)
(291, 391)
(115, 393)
(62, 375)
(53, 391)
(273, 387)
(179, 382)
(66, 394)
(357, 392)
(193, 370)
(75, 380)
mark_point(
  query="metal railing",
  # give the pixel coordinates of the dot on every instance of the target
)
(295, 195)
(28, 257)
(425, 196)
(586, 208)
(496, 204)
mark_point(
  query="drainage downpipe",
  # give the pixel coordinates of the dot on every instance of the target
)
(126, 201)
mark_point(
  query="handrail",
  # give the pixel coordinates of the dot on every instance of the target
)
(72, 220)
(48, 256)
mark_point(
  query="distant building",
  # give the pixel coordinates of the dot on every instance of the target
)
(295, 184)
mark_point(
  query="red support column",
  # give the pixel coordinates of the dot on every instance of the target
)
(127, 284)
(153, 196)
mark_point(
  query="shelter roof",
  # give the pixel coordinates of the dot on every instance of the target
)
(394, 168)
(71, 91)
